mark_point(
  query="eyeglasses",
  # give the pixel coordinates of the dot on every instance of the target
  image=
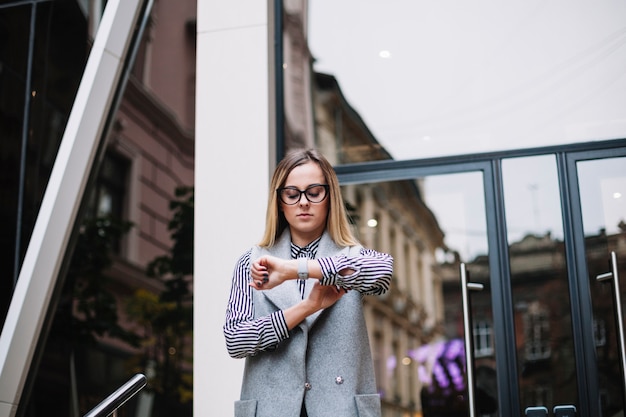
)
(314, 193)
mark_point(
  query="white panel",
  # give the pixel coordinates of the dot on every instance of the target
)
(231, 182)
(228, 16)
(7, 409)
(115, 24)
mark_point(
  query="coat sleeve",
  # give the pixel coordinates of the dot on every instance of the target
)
(245, 334)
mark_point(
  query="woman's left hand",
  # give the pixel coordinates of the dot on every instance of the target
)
(268, 272)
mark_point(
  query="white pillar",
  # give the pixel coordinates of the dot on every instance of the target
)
(232, 167)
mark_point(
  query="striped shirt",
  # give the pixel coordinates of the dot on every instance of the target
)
(246, 335)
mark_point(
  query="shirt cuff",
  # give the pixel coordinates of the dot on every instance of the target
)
(330, 270)
(280, 325)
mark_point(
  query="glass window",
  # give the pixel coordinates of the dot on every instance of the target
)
(537, 334)
(483, 338)
(110, 189)
(108, 197)
(599, 332)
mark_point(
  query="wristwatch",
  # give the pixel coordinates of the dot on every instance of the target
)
(303, 268)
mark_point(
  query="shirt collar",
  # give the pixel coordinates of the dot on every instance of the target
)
(309, 251)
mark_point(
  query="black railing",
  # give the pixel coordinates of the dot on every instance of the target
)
(114, 401)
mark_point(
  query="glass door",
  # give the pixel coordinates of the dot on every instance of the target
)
(432, 335)
(509, 288)
(539, 277)
(602, 195)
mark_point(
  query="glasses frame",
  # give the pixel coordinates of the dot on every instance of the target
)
(302, 192)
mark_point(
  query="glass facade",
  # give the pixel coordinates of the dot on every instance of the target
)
(123, 303)
(461, 133)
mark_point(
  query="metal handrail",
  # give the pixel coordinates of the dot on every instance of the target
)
(114, 401)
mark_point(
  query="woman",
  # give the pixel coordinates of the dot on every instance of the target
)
(295, 311)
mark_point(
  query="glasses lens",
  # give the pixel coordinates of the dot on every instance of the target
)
(316, 193)
(289, 195)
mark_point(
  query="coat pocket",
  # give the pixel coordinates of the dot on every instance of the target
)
(368, 405)
(245, 408)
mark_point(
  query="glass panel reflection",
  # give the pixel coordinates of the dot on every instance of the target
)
(430, 225)
(543, 330)
(33, 112)
(123, 302)
(13, 63)
(602, 186)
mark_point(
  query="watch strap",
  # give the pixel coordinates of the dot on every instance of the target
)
(303, 268)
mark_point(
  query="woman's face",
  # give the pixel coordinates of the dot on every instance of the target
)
(307, 220)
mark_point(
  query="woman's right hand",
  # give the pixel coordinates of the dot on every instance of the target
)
(324, 296)
(320, 297)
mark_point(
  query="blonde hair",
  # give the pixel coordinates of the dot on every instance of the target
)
(337, 223)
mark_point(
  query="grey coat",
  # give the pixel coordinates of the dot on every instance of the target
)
(326, 362)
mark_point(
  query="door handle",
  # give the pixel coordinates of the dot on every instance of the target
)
(564, 411)
(617, 299)
(469, 345)
(536, 411)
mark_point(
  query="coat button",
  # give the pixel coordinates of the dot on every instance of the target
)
(307, 386)
(338, 380)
